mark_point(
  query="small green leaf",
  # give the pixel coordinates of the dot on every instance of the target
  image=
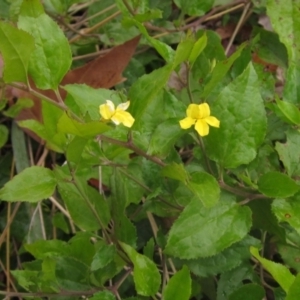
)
(277, 185)
(195, 7)
(104, 295)
(52, 57)
(164, 137)
(3, 135)
(205, 187)
(288, 211)
(294, 290)
(203, 232)
(290, 111)
(144, 90)
(289, 152)
(183, 50)
(280, 273)
(175, 171)
(145, 274)
(31, 185)
(75, 149)
(198, 47)
(67, 124)
(16, 108)
(238, 134)
(16, 47)
(250, 291)
(179, 287)
(104, 255)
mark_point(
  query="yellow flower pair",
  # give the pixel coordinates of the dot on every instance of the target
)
(198, 115)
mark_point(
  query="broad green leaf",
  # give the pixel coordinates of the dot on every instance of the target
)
(143, 91)
(16, 108)
(294, 291)
(27, 279)
(79, 206)
(145, 273)
(104, 255)
(179, 287)
(195, 7)
(3, 135)
(163, 49)
(16, 47)
(286, 23)
(52, 57)
(83, 99)
(290, 255)
(104, 295)
(183, 50)
(164, 137)
(71, 274)
(175, 171)
(288, 211)
(277, 185)
(238, 134)
(250, 291)
(220, 70)
(31, 185)
(290, 111)
(224, 261)
(205, 187)
(203, 232)
(289, 152)
(67, 124)
(279, 272)
(75, 149)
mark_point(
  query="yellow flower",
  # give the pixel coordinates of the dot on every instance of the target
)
(199, 115)
(119, 115)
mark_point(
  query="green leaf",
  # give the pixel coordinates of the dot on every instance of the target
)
(87, 99)
(280, 273)
(197, 48)
(238, 134)
(183, 50)
(163, 49)
(275, 184)
(179, 287)
(205, 187)
(16, 47)
(220, 70)
(52, 57)
(286, 24)
(104, 295)
(289, 152)
(104, 255)
(224, 261)
(294, 291)
(290, 256)
(195, 7)
(290, 111)
(75, 149)
(145, 274)
(16, 108)
(31, 185)
(175, 171)
(164, 137)
(203, 232)
(3, 135)
(67, 124)
(288, 211)
(143, 91)
(250, 291)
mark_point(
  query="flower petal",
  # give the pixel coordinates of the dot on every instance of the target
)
(212, 121)
(193, 111)
(202, 127)
(107, 110)
(123, 106)
(187, 123)
(123, 117)
(204, 111)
